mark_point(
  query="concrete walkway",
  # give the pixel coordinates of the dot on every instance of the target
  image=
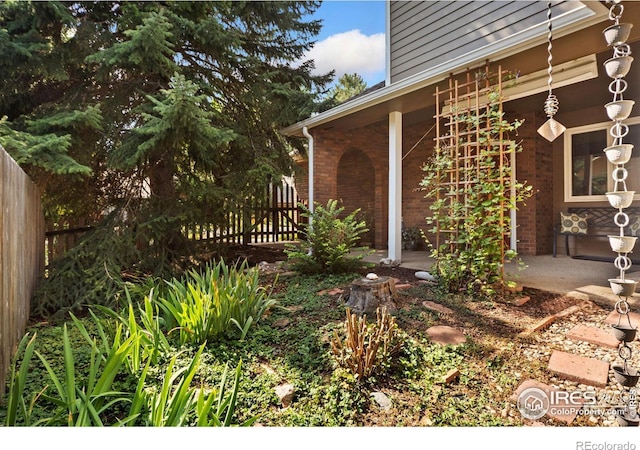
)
(563, 275)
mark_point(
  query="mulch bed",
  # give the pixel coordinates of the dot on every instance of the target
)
(539, 305)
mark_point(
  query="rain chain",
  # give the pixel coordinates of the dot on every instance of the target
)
(551, 129)
(619, 154)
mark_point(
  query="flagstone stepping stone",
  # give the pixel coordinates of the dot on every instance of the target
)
(591, 371)
(445, 335)
(437, 307)
(383, 402)
(282, 323)
(285, 393)
(593, 335)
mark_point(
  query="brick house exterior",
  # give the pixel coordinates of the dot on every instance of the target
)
(353, 142)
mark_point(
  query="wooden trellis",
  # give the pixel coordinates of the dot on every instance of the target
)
(463, 122)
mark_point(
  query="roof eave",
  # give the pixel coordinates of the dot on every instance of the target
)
(526, 39)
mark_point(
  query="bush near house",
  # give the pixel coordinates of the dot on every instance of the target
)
(329, 239)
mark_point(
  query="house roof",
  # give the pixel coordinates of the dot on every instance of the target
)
(404, 95)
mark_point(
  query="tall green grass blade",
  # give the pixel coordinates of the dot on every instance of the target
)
(69, 367)
(18, 381)
(54, 379)
(139, 398)
(234, 396)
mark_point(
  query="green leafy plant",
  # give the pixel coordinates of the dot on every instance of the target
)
(329, 240)
(146, 324)
(177, 403)
(366, 348)
(83, 403)
(15, 402)
(90, 400)
(475, 217)
(205, 306)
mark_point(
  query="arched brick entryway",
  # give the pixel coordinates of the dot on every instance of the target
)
(356, 188)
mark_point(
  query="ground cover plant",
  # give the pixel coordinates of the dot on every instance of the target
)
(233, 381)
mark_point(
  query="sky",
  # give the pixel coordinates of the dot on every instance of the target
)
(352, 39)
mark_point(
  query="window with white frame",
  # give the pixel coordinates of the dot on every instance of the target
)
(586, 168)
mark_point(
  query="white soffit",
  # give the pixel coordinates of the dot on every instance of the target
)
(585, 14)
(581, 69)
(571, 72)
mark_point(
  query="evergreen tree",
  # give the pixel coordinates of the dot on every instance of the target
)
(348, 85)
(181, 100)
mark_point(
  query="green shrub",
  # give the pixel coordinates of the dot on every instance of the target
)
(145, 323)
(329, 239)
(208, 305)
(177, 403)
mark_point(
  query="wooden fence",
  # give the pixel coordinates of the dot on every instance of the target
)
(60, 238)
(21, 255)
(270, 216)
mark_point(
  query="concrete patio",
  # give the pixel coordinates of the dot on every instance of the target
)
(564, 275)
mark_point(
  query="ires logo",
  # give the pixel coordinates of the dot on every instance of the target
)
(534, 403)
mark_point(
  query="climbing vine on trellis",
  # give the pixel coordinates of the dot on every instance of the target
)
(470, 182)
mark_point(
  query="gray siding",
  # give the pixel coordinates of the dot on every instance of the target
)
(425, 34)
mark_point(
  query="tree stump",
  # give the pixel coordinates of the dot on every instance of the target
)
(367, 295)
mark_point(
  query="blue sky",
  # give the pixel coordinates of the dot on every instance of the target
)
(351, 39)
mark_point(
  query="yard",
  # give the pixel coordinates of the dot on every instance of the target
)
(291, 345)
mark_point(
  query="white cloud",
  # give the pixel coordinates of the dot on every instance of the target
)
(349, 52)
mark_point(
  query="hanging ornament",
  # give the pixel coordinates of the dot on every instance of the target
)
(551, 129)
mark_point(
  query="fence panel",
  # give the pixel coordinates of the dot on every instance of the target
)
(272, 216)
(60, 238)
(21, 255)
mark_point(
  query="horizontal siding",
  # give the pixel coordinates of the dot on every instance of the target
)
(426, 34)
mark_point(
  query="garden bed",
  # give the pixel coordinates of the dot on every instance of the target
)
(291, 345)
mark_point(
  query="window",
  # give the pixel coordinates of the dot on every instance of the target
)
(587, 175)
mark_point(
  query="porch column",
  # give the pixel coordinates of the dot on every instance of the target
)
(395, 186)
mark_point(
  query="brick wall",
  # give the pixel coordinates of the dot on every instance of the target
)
(355, 185)
(352, 166)
(415, 207)
(534, 165)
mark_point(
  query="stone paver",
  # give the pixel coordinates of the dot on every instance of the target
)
(437, 307)
(521, 300)
(593, 335)
(530, 383)
(445, 335)
(591, 371)
(613, 318)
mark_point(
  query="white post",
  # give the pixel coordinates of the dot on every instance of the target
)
(395, 187)
(308, 135)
